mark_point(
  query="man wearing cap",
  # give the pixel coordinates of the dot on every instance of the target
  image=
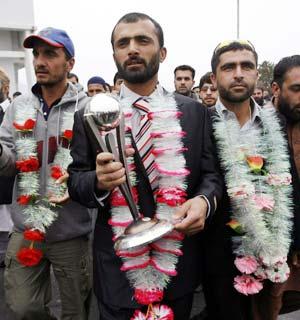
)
(35, 137)
(96, 85)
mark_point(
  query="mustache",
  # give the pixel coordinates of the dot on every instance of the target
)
(239, 83)
(134, 60)
(40, 70)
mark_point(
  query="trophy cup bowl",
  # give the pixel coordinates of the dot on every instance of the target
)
(103, 113)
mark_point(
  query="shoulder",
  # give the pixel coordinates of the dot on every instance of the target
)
(189, 105)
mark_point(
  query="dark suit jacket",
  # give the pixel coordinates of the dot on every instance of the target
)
(218, 250)
(111, 285)
(6, 183)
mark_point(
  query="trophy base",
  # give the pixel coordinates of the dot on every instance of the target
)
(142, 232)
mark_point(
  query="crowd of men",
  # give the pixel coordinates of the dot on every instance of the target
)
(236, 155)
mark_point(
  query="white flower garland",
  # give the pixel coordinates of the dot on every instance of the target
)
(261, 200)
(39, 213)
(149, 267)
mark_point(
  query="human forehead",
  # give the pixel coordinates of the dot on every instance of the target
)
(94, 86)
(42, 46)
(292, 76)
(135, 29)
(183, 74)
(236, 57)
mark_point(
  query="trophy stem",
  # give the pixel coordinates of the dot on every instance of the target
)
(125, 188)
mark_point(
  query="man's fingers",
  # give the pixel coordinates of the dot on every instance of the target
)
(114, 175)
(110, 167)
(62, 179)
(181, 211)
(104, 157)
(129, 152)
(60, 200)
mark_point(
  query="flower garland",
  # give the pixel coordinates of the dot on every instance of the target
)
(149, 267)
(258, 182)
(39, 213)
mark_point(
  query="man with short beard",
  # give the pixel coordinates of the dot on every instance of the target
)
(50, 231)
(258, 95)
(243, 134)
(286, 90)
(178, 128)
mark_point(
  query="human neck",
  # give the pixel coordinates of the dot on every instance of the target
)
(242, 110)
(143, 89)
(52, 93)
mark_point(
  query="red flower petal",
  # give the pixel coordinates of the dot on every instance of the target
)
(29, 165)
(29, 257)
(68, 134)
(56, 172)
(33, 235)
(27, 126)
(148, 296)
(24, 200)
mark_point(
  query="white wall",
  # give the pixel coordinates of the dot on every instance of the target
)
(17, 14)
(17, 20)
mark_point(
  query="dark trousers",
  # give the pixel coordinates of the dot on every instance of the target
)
(181, 307)
(223, 301)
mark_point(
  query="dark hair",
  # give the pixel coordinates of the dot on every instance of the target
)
(205, 79)
(16, 94)
(116, 77)
(260, 88)
(185, 67)
(71, 75)
(232, 46)
(283, 66)
(135, 17)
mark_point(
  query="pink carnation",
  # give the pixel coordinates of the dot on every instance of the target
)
(264, 202)
(247, 284)
(278, 180)
(246, 264)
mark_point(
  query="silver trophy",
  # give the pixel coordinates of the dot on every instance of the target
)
(103, 114)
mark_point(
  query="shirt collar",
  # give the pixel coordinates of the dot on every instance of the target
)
(256, 109)
(37, 91)
(4, 105)
(132, 96)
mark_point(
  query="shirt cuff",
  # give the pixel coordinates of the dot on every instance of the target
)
(100, 199)
(208, 205)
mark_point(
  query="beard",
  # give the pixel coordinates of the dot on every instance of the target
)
(139, 75)
(259, 101)
(291, 113)
(233, 97)
(52, 79)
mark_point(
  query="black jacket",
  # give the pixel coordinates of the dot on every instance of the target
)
(111, 285)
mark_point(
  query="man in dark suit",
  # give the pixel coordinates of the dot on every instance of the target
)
(6, 183)
(138, 49)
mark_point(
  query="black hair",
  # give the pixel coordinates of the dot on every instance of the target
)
(233, 46)
(283, 66)
(205, 79)
(185, 67)
(135, 17)
(116, 77)
(71, 75)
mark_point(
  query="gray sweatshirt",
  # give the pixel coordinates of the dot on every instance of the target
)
(73, 219)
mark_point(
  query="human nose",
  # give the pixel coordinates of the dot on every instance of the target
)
(239, 73)
(39, 60)
(133, 48)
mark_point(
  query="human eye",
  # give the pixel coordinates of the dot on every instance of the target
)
(248, 66)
